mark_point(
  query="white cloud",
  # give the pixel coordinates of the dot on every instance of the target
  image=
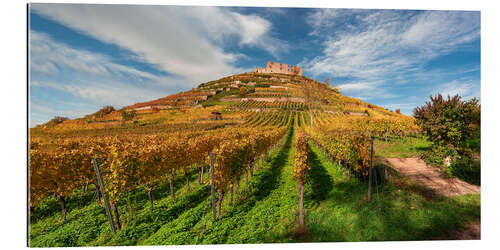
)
(185, 42)
(323, 18)
(405, 108)
(48, 56)
(356, 86)
(366, 90)
(465, 89)
(442, 29)
(179, 40)
(41, 112)
(102, 93)
(386, 44)
(86, 81)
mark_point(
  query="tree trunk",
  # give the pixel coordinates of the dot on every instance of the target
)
(201, 178)
(187, 179)
(349, 174)
(199, 175)
(85, 187)
(221, 198)
(171, 182)
(117, 216)
(98, 190)
(63, 207)
(246, 176)
(150, 197)
(238, 186)
(301, 204)
(231, 190)
(251, 170)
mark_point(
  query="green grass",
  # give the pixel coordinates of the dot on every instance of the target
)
(265, 211)
(261, 213)
(397, 212)
(401, 148)
(92, 222)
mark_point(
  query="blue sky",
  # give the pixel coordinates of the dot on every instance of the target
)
(83, 57)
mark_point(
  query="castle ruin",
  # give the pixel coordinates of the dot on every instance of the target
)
(276, 67)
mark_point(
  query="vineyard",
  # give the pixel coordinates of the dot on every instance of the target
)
(249, 158)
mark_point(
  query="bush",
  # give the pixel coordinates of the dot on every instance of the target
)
(467, 169)
(450, 122)
(336, 89)
(242, 91)
(127, 116)
(104, 111)
(56, 120)
(436, 155)
(262, 85)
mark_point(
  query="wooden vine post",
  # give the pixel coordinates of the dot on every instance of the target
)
(106, 202)
(212, 186)
(370, 171)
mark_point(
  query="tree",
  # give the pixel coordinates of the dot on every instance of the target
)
(327, 81)
(336, 89)
(56, 120)
(104, 111)
(398, 111)
(243, 91)
(313, 93)
(450, 123)
(127, 116)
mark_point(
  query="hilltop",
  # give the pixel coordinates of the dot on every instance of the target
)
(247, 91)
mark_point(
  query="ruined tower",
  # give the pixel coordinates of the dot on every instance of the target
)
(276, 67)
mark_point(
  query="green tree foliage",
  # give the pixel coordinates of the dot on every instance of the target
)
(104, 111)
(243, 91)
(450, 122)
(336, 89)
(127, 116)
(56, 120)
(466, 168)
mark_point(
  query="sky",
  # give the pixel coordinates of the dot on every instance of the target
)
(83, 57)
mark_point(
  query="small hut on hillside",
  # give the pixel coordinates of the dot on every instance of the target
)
(216, 115)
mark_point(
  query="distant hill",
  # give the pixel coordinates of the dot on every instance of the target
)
(252, 89)
(247, 91)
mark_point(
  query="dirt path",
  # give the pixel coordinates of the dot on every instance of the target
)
(427, 176)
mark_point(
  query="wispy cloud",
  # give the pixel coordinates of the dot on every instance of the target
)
(185, 44)
(185, 41)
(86, 81)
(51, 57)
(387, 46)
(40, 111)
(356, 86)
(366, 90)
(405, 108)
(464, 88)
